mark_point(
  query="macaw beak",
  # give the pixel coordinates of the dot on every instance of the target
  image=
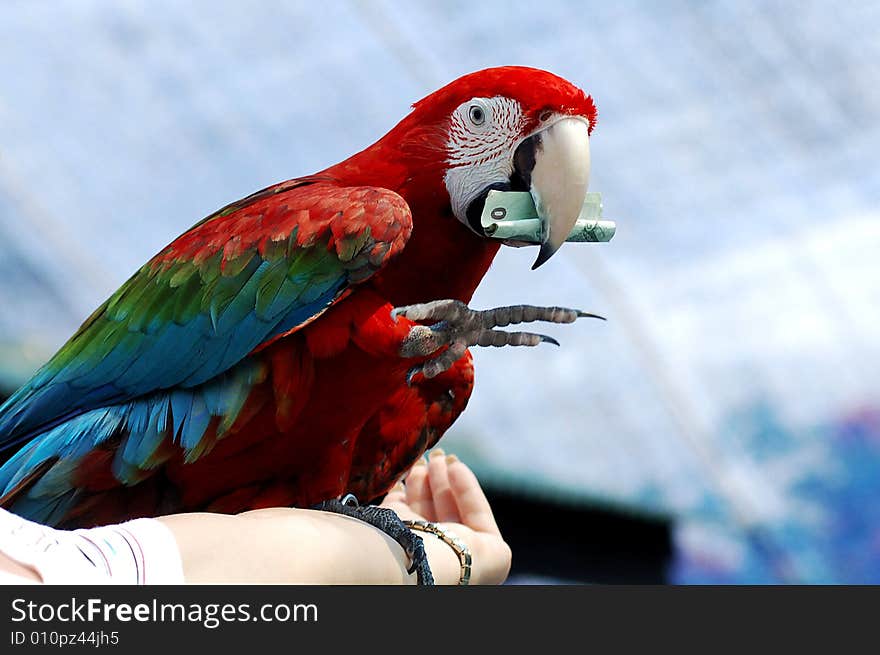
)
(555, 163)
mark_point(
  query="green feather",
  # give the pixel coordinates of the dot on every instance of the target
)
(351, 246)
(270, 283)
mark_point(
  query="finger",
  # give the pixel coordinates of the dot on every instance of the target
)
(418, 491)
(476, 513)
(403, 511)
(444, 499)
(397, 495)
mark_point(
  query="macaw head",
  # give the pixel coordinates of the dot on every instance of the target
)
(512, 129)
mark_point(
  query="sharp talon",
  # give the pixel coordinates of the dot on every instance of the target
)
(395, 313)
(589, 315)
(547, 339)
(350, 500)
(411, 374)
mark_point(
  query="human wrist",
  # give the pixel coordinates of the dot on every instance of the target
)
(443, 560)
(451, 539)
(490, 554)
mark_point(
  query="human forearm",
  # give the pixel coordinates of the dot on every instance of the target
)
(297, 546)
(279, 545)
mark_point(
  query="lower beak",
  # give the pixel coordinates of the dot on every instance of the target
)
(560, 172)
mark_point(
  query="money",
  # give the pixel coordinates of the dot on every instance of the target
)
(511, 215)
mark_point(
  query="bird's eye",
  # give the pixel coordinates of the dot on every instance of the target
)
(545, 115)
(477, 115)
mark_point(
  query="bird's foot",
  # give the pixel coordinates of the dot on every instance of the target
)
(459, 327)
(388, 522)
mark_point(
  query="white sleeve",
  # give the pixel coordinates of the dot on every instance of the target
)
(142, 551)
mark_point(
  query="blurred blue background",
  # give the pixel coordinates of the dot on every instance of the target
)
(733, 390)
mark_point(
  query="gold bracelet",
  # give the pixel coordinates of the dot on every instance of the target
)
(451, 539)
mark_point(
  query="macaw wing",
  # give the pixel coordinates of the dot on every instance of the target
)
(255, 270)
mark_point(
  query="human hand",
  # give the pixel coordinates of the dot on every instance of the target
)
(447, 492)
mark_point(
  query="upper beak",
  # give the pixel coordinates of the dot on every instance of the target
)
(559, 158)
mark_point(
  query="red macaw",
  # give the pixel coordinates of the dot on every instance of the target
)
(311, 339)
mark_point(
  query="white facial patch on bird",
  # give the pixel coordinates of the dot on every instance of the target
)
(483, 136)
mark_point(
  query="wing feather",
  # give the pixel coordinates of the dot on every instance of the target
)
(253, 271)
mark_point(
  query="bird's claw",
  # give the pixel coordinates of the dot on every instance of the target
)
(457, 327)
(350, 500)
(389, 522)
